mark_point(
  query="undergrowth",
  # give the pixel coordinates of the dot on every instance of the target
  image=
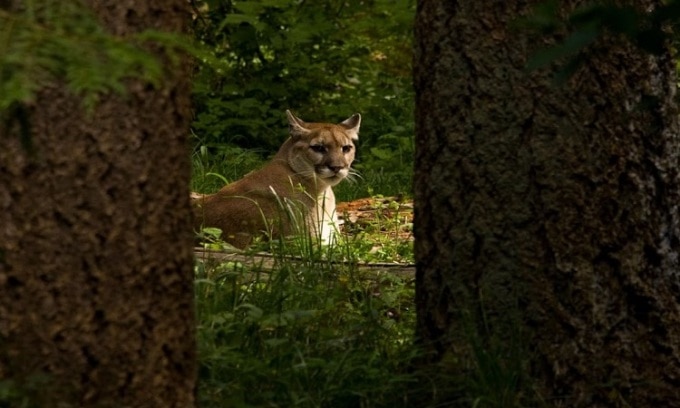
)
(309, 333)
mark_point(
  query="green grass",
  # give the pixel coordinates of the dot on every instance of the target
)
(312, 333)
(215, 167)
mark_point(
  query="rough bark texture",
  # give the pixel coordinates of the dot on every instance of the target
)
(95, 240)
(555, 204)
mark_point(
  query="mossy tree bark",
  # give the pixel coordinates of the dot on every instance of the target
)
(548, 211)
(96, 300)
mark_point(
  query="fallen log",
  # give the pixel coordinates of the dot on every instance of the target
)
(266, 262)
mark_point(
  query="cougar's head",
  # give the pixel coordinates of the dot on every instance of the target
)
(323, 151)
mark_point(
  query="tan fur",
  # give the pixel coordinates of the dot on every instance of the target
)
(294, 188)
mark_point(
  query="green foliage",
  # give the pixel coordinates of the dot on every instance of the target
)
(323, 59)
(51, 41)
(225, 164)
(309, 335)
(380, 248)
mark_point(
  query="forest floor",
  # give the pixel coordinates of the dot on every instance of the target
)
(380, 228)
(388, 216)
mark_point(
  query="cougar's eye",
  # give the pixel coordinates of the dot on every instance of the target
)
(346, 148)
(318, 148)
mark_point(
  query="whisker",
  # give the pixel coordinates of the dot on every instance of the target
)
(353, 176)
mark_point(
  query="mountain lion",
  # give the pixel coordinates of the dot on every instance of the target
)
(293, 189)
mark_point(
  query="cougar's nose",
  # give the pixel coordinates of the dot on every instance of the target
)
(336, 169)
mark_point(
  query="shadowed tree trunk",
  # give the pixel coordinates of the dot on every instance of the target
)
(547, 212)
(96, 301)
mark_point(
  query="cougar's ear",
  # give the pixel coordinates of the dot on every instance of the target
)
(296, 126)
(352, 125)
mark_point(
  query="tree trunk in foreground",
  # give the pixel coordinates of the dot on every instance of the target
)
(96, 301)
(546, 216)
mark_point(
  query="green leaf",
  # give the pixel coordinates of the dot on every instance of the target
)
(62, 41)
(253, 312)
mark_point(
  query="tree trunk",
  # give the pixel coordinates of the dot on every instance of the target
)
(546, 216)
(96, 300)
